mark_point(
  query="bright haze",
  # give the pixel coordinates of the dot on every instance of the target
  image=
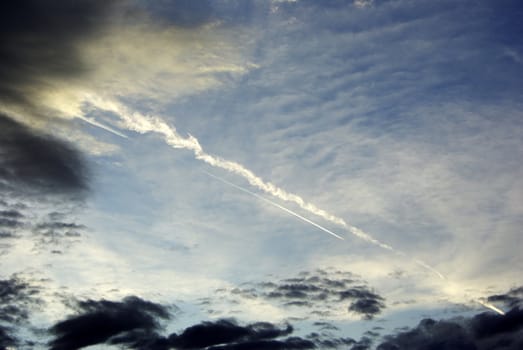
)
(277, 174)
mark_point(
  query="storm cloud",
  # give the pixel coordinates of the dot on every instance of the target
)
(98, 321)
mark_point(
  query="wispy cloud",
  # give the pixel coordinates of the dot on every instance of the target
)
(324, 294)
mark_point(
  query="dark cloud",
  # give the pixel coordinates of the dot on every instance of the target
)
(325, 326)
(363, 344)
(218, 335)
(367, 306)
(135, 324)
(512, 298)
(98, 321)
(141, 339)
(4, 234)
(487, 325)
(483, 331)
(59, 226)
(5, 339)
(17, 299)
(221, 334)
(40, 51)
(328, 341)
(38, 168)
(32, 163)
(56, 234)
(225, 331)
(321, 292)
(12, 214)
(9, 223)
(40, 42)
(10, 220)
(46, 232)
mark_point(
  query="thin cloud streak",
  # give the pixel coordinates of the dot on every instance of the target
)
(102, 126)
(275, 204)
(490, 306)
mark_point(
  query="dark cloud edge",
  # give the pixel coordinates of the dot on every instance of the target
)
(135, 323)
(317, 291)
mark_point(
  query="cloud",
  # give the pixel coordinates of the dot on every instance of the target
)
(40, 173)
(480, 332)
(12, 214)
(32, 163)
(18, 299)
(54, 233)
(322, 292)
(9, 223)
(512, 298)
(5, 339)
(223, 334)
(327, 341)
(98, 321)
(225, 331)
(57, 54)
(368, 306)
(134, 323)
(40, 48)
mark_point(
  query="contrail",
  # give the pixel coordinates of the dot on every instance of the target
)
(490, 306)
(102, 126)
(140, 123)
(275, 204)
(426, 266)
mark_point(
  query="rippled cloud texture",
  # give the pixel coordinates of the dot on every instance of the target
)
(280, 174)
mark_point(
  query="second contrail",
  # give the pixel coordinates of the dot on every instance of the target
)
(276, 205)
(419, 262)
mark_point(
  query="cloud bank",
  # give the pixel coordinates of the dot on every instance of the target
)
(481, 332)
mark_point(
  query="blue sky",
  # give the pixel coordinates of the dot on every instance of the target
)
(396, 120)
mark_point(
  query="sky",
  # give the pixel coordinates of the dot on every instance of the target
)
(247, 174)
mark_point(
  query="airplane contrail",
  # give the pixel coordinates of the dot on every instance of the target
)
(140, 123)
(490, 306)
(276, 205)
(102, 126)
